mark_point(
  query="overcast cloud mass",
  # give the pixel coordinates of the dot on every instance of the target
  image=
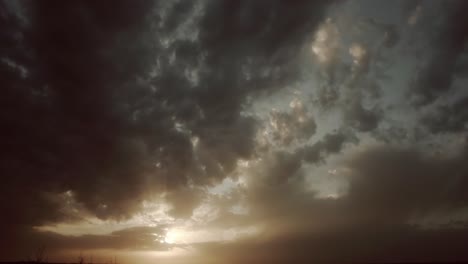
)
(234, 131)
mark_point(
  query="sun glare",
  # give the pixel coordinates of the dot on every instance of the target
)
(174, 236)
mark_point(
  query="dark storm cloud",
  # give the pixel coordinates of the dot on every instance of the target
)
(388, 187)
(449, 117)
(279, 179)
(105, 99)
(392, 189)
(328, 145)
(395, 246)
(409, 6)
(60, 125)
(447, 45)
(106, 105)
(360, 118)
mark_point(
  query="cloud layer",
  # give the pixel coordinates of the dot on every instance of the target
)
(236, 115)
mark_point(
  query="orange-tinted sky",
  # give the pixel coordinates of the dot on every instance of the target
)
(233, 131)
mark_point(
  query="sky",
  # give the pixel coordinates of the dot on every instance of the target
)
(230, 131)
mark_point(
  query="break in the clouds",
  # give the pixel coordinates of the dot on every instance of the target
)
(227, 131)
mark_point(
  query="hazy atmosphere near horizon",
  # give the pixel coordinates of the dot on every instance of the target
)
(233, 131)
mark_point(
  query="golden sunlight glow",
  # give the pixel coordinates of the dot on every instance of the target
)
(326, 42)
(174, 236)
(184, 236)
(358, 52)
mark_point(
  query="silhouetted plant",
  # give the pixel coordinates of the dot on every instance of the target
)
(39, 256)
(80, 259)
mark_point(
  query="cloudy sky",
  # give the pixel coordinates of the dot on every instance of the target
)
(234, 131)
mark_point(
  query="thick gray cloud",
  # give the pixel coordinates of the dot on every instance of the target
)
(394, 246)
(107, 105)
(449, 117)
(329, 144)
(388, 187)
(447, 44)
(357, 51)
(107, 99)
